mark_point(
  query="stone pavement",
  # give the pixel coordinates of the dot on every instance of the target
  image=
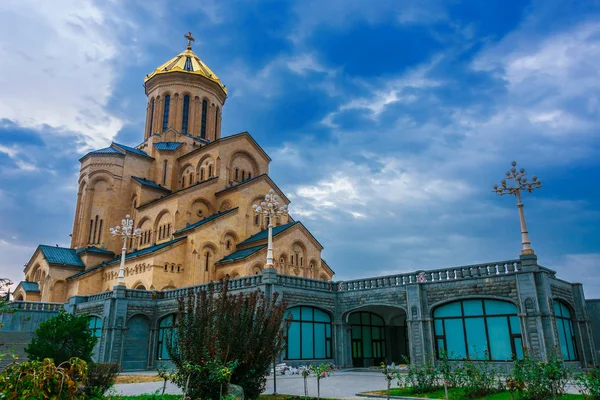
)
(341, 384)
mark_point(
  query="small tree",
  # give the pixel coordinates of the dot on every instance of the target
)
(63, 337)
(4, 297)
(390, 375)
(220, 328)
(321, 371)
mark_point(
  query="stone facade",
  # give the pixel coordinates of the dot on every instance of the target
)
(190, 192)
(406, 302)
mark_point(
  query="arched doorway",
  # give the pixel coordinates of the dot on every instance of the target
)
(135, 356)
(378, 334)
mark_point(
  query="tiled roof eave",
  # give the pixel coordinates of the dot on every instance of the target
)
(211, 180)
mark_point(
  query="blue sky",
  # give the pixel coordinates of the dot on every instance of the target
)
(388, 121)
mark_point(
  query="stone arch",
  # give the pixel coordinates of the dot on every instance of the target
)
(298, 255)
(36, 272)
(139, 286)
(230, 240)
(199, 209)
(242, 161)
(282, 262)
(146, 226)
(168, 287)
(163, 225)
(187, 177)
(254, 222)
(225, 205)
(255, 269)
(208, 254)
(234, 274)
(58, 293)
(205, 167)
(19, 297)
(437, 304)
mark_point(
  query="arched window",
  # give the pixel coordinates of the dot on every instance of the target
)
(166, 112)
(309, 334)
(479, 330)
(203, 120)
(249, 175)
(243, 175)
(368, 338)
(95, 326)
(186, 112)
(201, 174)
(256, 219)
(237, 174)
(151, 117)
(165, 333)
(210, 171)
(216, 122)
(566, 335)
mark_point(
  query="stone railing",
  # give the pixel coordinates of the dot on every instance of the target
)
(98, 297)
(233, 284)
(306, 283)
(140, 294)
(439, 275)
(36, 306)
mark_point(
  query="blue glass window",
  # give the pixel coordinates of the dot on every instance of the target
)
(188, 64)
(478, 329)
(203, 121)
(166, 112)
(566, 335)
(186, 112)
(95, 326)
(151, 117)
(309, 334)
(165, 332)
(368, 338)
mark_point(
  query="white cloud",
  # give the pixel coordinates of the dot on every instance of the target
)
(13, 153)
(582, 268)
(57, 71)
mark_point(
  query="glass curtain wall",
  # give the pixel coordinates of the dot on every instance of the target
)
(309, 334)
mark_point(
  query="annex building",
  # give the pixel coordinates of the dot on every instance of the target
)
(191, 192)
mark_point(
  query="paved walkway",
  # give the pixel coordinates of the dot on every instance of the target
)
(342, 384)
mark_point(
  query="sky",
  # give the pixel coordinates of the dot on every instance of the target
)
(388, 122)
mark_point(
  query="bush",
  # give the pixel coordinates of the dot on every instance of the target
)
(420, 379)
(213, 330)
(61, 338)
(43, 380)
(100, 378)
(588, 383)
(479, 379)
(538, 380)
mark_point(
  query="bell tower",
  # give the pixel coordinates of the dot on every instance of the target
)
(184, 94)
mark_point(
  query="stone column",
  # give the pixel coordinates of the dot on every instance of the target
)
(115, 329)
(420, 346)
(583, 328)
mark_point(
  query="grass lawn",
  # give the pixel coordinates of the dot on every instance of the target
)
(458, 394)
(178, 396)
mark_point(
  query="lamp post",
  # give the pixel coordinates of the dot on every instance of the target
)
(125, 230)
(270, 208)
(520, 183)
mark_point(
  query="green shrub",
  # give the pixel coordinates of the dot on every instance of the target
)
(420, 379)
(539, 380)
(43, 380)
(61, 338)
(218, 328)
(588, 383)
(100, 378)
(479, 378)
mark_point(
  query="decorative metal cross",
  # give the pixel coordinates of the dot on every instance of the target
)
(521, 183)
(190, 39)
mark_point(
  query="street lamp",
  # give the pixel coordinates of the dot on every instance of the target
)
(126, 232)
(270, 208)
(521, 183)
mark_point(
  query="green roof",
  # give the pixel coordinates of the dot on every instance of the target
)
(30, 286)
(61, 256)
(262, 235)
(205, 220)
(93, 249)
(149, 183)
(241, 254)
(131, 150)
(128, 256)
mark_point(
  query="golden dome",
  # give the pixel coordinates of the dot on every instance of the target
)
(187, 62)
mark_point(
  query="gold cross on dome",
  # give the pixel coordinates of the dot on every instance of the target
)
(190, 39)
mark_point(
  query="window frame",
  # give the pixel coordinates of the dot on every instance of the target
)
(300, 321)
(562, 319)
(160, 342)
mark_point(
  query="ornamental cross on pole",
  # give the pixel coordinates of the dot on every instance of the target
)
(520, 183)
(190, 39)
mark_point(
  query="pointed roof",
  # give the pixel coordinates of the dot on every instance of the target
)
(241, 254)
(262, 235)
(187, 62)
(61, 256)
(30, 286)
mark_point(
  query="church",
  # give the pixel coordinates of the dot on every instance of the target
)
(190, 192)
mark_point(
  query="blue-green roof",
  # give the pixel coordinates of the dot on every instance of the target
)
(61, 255)
(30, 286)
(106, 150)
(262, 235)
(131, 150)
(151, 184)
(93, 249)
(241, 254)
(128, 256)
(204, 221)
(167, 146)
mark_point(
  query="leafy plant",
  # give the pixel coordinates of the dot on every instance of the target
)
(61, 338)
(4, 298)
(100, 378)
(419, 379)
(390, 375)
(43, 379)
(479, 379)
(588, 383)
(221, 327)
(320, 371)
(539, 380)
